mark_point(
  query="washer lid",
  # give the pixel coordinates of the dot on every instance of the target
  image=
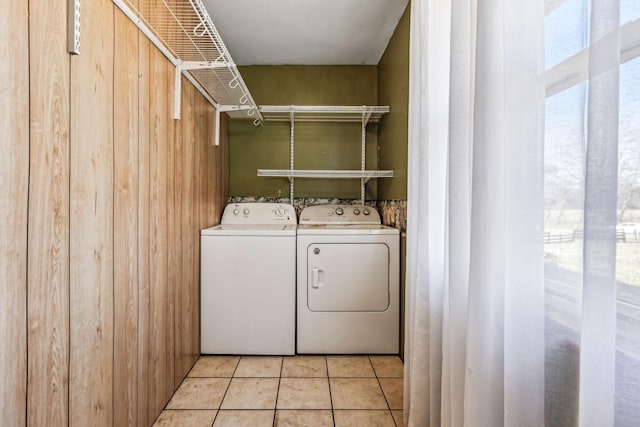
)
(249, 230)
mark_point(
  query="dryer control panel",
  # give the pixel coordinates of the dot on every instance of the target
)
(340, 214)
(259, 214)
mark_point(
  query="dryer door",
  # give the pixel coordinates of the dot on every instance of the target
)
(348, 277)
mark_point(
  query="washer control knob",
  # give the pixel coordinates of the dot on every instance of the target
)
(280, 211)
(245, 211)
(339, 211)
(356, 211)
(236, 211)
(366, 211)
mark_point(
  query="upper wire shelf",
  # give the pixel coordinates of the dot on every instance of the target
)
(185, 28)
(324, 113)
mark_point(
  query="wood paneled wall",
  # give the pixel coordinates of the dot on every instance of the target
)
(48, 249)
(126, 220)
(14, 178)
(102, 195)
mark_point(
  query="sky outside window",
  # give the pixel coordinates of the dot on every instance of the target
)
(565, 146)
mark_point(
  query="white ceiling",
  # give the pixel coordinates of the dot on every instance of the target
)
(305, 32)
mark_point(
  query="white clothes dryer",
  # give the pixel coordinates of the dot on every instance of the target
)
(348, 282)
(248, 281)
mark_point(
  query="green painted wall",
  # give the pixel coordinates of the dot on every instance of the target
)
(318, 146)
(327, 146)
(393, 90)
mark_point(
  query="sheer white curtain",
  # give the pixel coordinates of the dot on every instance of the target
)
(508, 321)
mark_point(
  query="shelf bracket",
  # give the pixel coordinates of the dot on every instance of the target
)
(182, 66)
(73, 30)
(365, 118)
(223, 109)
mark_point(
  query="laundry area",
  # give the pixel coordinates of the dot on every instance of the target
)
(319, 213)
(207, 212)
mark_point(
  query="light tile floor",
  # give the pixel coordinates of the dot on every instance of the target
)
(311, 391)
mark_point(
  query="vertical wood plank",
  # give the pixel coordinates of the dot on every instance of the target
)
(48, 266)
(191, 210)
(177, 246)
(172, 239)
(219, 183)
(202, 193)
(144, 232)
(205, 193)
(91, 219)
(223, 189)
(173, 214)
(159, 370)
(185, 297)
(125, 221)
(212, 168)
(14, 174)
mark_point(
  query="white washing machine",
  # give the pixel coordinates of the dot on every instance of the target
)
(348, 282)
(248, 281)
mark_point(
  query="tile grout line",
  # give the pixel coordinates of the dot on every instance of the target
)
(275, 409)
(226, 390)
(382, 390)
(333, 415)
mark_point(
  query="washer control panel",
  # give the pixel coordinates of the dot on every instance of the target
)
(259, 214)
(340, 214)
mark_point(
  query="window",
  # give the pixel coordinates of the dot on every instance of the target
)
(565, 148)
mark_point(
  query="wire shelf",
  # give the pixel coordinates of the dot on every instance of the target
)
(363, 114)
(336, 174)
(325, 113)
(186, 30)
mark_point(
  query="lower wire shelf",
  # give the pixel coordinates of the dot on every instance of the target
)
(336, 174)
